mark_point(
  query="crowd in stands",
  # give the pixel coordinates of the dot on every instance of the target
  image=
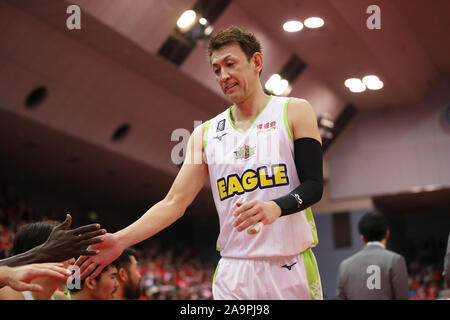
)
(14, 212)
(425, 271)
(176, 272)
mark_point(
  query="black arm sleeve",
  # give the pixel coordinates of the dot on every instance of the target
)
(308, 161)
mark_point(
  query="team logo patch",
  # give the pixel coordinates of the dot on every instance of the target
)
(221, 125)
(244, 152)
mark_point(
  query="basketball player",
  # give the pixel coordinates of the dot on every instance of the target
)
(128, 276)
(263, 156)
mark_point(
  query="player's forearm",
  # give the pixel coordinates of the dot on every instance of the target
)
(34, 255)
(157, 218)
(308, 163)
(4, 271)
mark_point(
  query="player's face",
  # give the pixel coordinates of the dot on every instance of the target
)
(132, 288)
(107, 284)
(234, 73)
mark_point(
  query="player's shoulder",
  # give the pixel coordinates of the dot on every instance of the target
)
(298, 106)
(198, 130)
(220, 119)
(300, 111)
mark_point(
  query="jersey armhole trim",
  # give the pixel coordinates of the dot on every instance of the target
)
(286, 122)
(205, 134)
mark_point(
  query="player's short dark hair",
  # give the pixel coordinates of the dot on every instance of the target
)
(373, 226)
(246, 40)
(32, 235)
(124, 260)
(74, 289)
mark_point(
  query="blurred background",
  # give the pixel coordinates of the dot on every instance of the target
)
(91, 94)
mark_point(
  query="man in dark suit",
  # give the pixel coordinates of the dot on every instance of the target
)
(447, 264)
(374, 273)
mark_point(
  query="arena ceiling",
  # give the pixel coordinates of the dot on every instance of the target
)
(109, 73)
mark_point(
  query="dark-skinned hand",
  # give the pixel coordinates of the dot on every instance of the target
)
(64, 244)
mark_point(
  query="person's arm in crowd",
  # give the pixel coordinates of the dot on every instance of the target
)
(61, 245)
(18, 278)
(188, 183)
(399, 279)
(447, 263)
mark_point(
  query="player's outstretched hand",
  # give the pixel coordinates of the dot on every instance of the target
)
(64, 244)
(255, 214)
(107, 251)
(18, 278)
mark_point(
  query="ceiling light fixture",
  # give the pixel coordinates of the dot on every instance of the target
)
(186, 20)
(357, 88)
(278, 85)
(355, 85)
(327, 123)
(292, 26)
(314, 22)
(208, 30)
(372, 82)
(270, 84)
(352, 82)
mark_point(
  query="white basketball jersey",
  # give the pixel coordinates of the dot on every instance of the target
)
(256, 165)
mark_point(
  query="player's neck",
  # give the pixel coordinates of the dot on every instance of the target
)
(81, 295)
(249, 108)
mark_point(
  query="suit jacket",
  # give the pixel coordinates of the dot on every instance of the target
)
(447, 263)
(374, 273)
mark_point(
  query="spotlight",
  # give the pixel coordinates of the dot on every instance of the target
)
(186, 20)
(292, 26)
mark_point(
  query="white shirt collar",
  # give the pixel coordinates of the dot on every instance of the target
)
(375, 243)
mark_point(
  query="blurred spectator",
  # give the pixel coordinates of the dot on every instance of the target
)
(6, 237)
(425, 271)
(175, 273)
(128, 275)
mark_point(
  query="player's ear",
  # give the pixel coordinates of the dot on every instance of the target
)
(90, 283)
(123, 275)
(257, 61)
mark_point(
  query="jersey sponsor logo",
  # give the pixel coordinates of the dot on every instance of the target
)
(220, 137)
(268, 125)
(251, 180)
(244, 152)
(221, 125)
(288, 267)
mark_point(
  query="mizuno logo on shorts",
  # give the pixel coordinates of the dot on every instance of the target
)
(288, 267)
